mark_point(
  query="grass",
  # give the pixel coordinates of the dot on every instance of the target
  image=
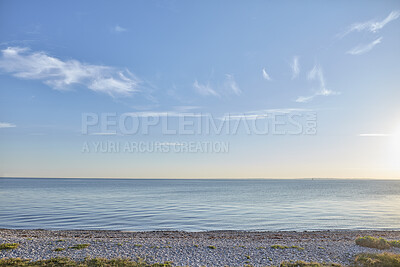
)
(379, 243)
(80, 246)
(59, 249)
(362, 260)
(297, 247)
(211, 247)
(395, 243)
(60, 240)
(279, 246)
(8, 246)
(377, 260)
(137, 245)
(308, 264)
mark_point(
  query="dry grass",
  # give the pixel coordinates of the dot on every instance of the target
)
(377, 260)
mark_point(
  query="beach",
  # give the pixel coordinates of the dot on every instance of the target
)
(211, 248)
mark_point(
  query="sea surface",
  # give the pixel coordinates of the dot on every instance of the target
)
(199, 205)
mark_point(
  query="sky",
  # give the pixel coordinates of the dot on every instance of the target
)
(301, 89)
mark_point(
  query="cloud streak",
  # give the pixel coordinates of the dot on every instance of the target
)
(119, 29)
(361, 49)
(204, 89)
(374, 135)
(372, 26)
(260, 114)
(231, 84)
(64, 74)
(266, 75)
(316, 74)
(295, 67)
(7, 125)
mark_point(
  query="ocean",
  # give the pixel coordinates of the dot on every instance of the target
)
(199, 205)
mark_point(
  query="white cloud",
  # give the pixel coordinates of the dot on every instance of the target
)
(103, 133)
(186, 108)
(165, 114)
(231, 84)
(361, 49)
(119, 29)
(204, 89)
(295, 67)
(62, 75)
(317, 74)
(260, 114)
(266, 75)
(372, 25)
(7, 125)
(304, 99)
(374, 135)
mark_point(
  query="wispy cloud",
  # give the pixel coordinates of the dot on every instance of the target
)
(266, 75)
(295, 67)
(374, 135)
(372, 25)
(260, 114)
(63, 74)
(361, 49)
(204, 89)
(103, 133)
(7, 125)
(166, 114)
(231, 84)
(316, 74)
(304, 99)
(119, 29)
(186, 108)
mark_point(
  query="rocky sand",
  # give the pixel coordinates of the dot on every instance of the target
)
(214, 248)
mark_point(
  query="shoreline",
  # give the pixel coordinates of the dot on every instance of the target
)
(210, 248)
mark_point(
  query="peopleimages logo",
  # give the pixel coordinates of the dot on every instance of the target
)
(202, 124)
(184, 126)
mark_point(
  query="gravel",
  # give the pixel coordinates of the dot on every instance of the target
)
(232, 248)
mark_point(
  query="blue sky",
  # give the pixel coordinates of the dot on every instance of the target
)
(338, 60)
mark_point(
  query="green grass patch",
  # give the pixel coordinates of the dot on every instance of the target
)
(60, 240)
(279, 246)
(80, 246)
(379, 243)
(138, 245)
(395, 243)
(297, 247)
(8, 246)
(260, 247)
(308, 264)
(211, 247)
(377, 260)
(59, 249)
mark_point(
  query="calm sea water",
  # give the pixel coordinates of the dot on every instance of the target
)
(196, 205)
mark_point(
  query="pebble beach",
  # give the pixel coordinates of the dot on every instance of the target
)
(213, 248)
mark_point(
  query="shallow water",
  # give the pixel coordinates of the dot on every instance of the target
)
(197, 205)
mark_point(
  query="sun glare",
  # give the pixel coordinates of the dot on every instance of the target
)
(394, 160)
